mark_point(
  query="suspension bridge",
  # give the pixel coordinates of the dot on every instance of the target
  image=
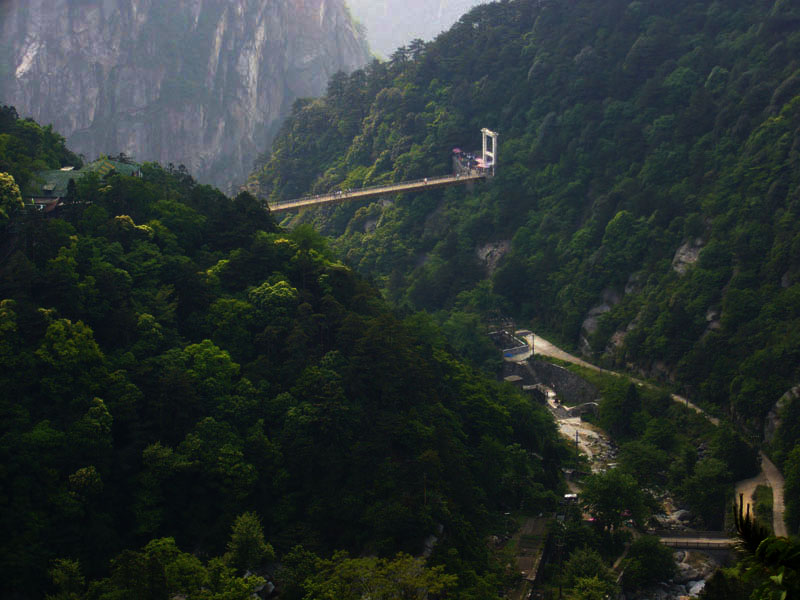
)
(467, 167)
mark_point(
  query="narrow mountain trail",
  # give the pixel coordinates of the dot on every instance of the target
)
(769, 475)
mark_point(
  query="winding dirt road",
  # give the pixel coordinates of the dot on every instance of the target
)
(770, 475)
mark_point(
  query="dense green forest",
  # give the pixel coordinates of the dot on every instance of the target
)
(192, 391)
(648, 168)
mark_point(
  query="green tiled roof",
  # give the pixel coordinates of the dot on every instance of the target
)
(53, 183)
(104, 166)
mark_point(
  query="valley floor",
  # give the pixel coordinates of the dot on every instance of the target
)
(769, 475)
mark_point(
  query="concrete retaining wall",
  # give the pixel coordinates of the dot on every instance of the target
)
(570, 388)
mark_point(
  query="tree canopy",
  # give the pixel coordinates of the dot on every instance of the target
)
(613, 497)
(174, 364)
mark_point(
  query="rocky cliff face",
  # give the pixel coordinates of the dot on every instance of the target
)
(394, 23)
(196, 82)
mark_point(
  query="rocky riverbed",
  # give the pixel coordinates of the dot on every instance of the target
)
(694, 568)
(592, 441)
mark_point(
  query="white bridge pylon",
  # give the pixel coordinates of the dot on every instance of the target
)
(489, 149)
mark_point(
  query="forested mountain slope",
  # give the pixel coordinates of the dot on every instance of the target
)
(202, 83)
(170, 359)
(649, 166)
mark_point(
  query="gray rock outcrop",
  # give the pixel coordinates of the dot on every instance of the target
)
(774, 419)
(687, 255)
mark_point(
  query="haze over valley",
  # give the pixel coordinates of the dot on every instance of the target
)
(393, 23)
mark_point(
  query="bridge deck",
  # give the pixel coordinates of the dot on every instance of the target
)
(694, 539)
(697, 543)
(374, 191)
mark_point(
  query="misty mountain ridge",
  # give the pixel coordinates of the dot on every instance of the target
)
(202, 83)
(393, 23)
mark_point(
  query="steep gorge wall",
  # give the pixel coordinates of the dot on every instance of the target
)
(196, 82)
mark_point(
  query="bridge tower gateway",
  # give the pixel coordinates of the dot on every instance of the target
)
(489, 149)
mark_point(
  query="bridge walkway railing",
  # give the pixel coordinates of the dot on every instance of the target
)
(682, 533)
(687, 544)
(697, 540)
(375, 190)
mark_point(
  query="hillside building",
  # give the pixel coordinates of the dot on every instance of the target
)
(49, 188)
